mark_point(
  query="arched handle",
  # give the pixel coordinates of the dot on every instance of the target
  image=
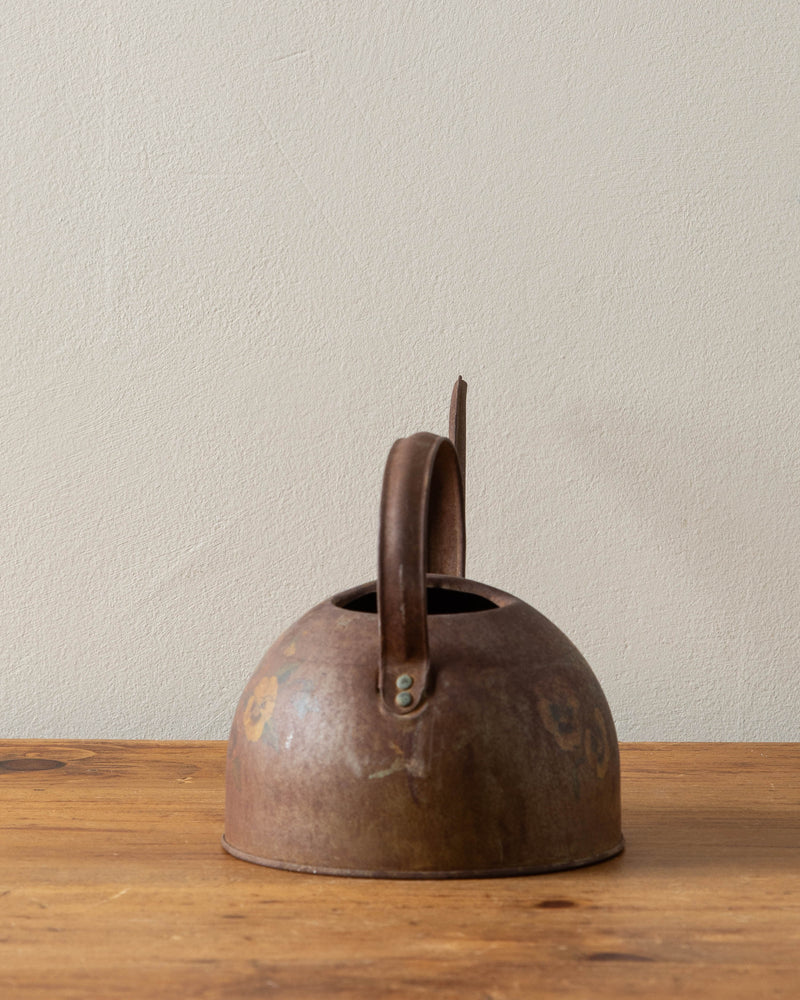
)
(421, 531)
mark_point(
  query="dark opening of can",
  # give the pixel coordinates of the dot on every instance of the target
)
(440, 602)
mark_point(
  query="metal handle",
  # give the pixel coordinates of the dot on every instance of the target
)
(421, 531)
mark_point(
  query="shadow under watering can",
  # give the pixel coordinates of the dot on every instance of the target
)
(423, 725)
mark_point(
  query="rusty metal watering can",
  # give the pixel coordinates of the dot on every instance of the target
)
(424, 725)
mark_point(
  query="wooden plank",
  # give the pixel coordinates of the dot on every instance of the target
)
(113, 884)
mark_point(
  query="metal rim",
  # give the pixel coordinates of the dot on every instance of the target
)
(418, 875)
(457, 583)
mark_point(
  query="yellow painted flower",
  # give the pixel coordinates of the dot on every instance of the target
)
(260, 707)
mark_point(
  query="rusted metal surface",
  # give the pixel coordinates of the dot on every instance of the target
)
(423, 725)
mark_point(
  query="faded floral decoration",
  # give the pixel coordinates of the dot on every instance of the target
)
(260, 707)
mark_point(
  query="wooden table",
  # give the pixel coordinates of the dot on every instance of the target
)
(113, 884)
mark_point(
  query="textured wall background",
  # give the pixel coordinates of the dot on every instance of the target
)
(246, 245)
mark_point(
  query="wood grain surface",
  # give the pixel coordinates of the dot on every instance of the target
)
(113, 884)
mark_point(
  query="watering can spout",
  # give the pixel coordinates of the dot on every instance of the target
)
(458, 423)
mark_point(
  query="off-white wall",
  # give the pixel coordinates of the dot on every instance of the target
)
(247, 244)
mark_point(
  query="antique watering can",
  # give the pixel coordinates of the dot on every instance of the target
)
(424, 725)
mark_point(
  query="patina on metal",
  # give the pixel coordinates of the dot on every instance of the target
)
(423, 725)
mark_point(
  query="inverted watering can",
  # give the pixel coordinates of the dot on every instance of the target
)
(424, 725)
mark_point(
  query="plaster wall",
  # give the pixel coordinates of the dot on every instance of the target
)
(246, 245)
